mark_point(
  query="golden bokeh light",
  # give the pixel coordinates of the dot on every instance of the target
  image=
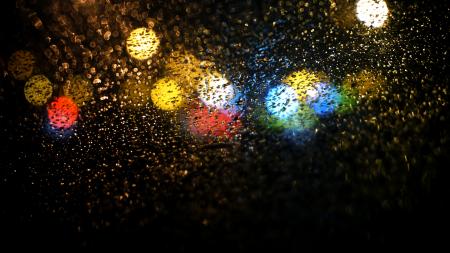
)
(167, 94)
(38, 89)
(363, 83)
(303, 81)
(21, 65)
(372, 13)
(142, 43)
(134, 93)
(79, 89)
(186, 69)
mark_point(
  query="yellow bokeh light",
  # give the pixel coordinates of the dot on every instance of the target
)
(38, 89)
(167, 94)
(186, 69)
(21, 64)
(364, 83)
(142, 43)
(303, 82)
(134, 92)
(372, 13)
(79, 89)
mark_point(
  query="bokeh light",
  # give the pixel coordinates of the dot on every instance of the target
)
(364, 83)
(186, 69)
(325, 100)
(167, 94)
(348, 101)
(372, 13)
(142, 43)
(62, 113)
(205, 122)
(134, 92)
(303, 81)
(282, 102)
(216, 91)
(303, 120)
(38, 89)
(79, 89)
(21, 65)
(342, 12)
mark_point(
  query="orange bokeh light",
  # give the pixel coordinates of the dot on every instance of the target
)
(62, 113)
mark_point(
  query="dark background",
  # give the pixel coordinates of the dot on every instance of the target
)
(265, 193)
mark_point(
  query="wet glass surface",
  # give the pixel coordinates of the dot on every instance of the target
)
(230, 125)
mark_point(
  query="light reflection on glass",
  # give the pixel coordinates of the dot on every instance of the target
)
(282, 102)
(372, 13)
(216, 91)
(142, 43)
(205, 122)
(326, 99)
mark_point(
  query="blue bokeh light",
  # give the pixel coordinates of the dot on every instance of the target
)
(282, 102)
(57, 133)
(327, 100)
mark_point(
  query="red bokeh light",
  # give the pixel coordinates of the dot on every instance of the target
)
(62, 113)
(206, 122)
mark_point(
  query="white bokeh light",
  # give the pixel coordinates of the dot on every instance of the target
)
(372, 13)
(282, 102)
(216, 91)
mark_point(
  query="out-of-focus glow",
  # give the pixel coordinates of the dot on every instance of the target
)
(21, 65)
(142, 43)
(135, 92)
(348, 101)
(216, 91)
(303, 120)
(364, 83)
(79, 89)
(303, 82)
(38, 89)
(85, 1)
(205, 122)
(342, 12)
(186, 69)
(282, 102)
(372, 13)
(57, 133)
(167, 94)
(327, 100)
(62, 113)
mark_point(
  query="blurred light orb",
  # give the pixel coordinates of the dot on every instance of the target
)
(303, 82)
(342, 12)
(79, 89)
(38, 90)
(134, 92)
(327, 100)
(363, 83)
(282, 102)
(205, 122)
(21, 65)
(142, 43)
(216, 91)
(186, 69)
(348, 101)
(62, 113)
(372, 13)
(167, 94)
(302, 120)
